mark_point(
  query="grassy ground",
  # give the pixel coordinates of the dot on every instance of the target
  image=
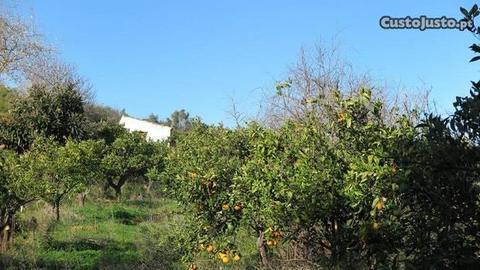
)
(99, 235)
(134, 233)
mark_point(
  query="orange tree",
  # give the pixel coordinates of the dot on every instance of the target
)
(63, 170)
(49, 171)
(320, 182)
(277, 184)
(129, 156)
(200, 169)
(17, 188)
(325, 184)
(351, 189)
(440, 201)
(411, 193)
(355, 190)
(363, 228)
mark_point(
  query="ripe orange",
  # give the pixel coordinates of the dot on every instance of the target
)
(225, 207)
(380, 204)
(209, 248)
(236, 258)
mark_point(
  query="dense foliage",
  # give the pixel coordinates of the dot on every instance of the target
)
(351, 189)
(55, 112)
(128, 157)
(62, 170)
(5, 95)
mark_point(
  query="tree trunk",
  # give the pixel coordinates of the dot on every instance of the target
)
(118, 186)
(11, 232)
(3, 244)
(106, 186)
(6, 232)
(57, 213)
(84, 198)
(56, 209)
(3, 223)
(118, 191)
(261, 249)
(148, 187)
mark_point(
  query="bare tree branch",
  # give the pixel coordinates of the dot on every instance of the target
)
(20, 45)
(316, 76)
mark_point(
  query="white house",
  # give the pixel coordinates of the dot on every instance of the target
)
(154, 132)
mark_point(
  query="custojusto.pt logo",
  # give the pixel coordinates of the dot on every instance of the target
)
(423, 23)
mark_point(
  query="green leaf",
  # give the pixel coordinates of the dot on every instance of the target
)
(473, 10)
(475, 48)
(476, 58)
(464, 12)
(349, 122)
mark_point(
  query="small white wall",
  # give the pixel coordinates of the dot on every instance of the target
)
(155, 132)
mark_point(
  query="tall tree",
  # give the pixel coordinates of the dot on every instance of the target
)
(55, 112)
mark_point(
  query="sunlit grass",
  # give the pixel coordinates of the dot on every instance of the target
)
(98, 235)
(108, 234)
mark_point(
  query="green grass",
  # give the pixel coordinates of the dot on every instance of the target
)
(104, 234)
(99, 235)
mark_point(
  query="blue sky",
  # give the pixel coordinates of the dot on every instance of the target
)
(158, 56)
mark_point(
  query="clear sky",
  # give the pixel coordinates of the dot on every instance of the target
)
(158, 56)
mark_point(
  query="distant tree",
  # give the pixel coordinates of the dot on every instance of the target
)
(153, 118)
(128, 157)
(180, 120)
(102, 122)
